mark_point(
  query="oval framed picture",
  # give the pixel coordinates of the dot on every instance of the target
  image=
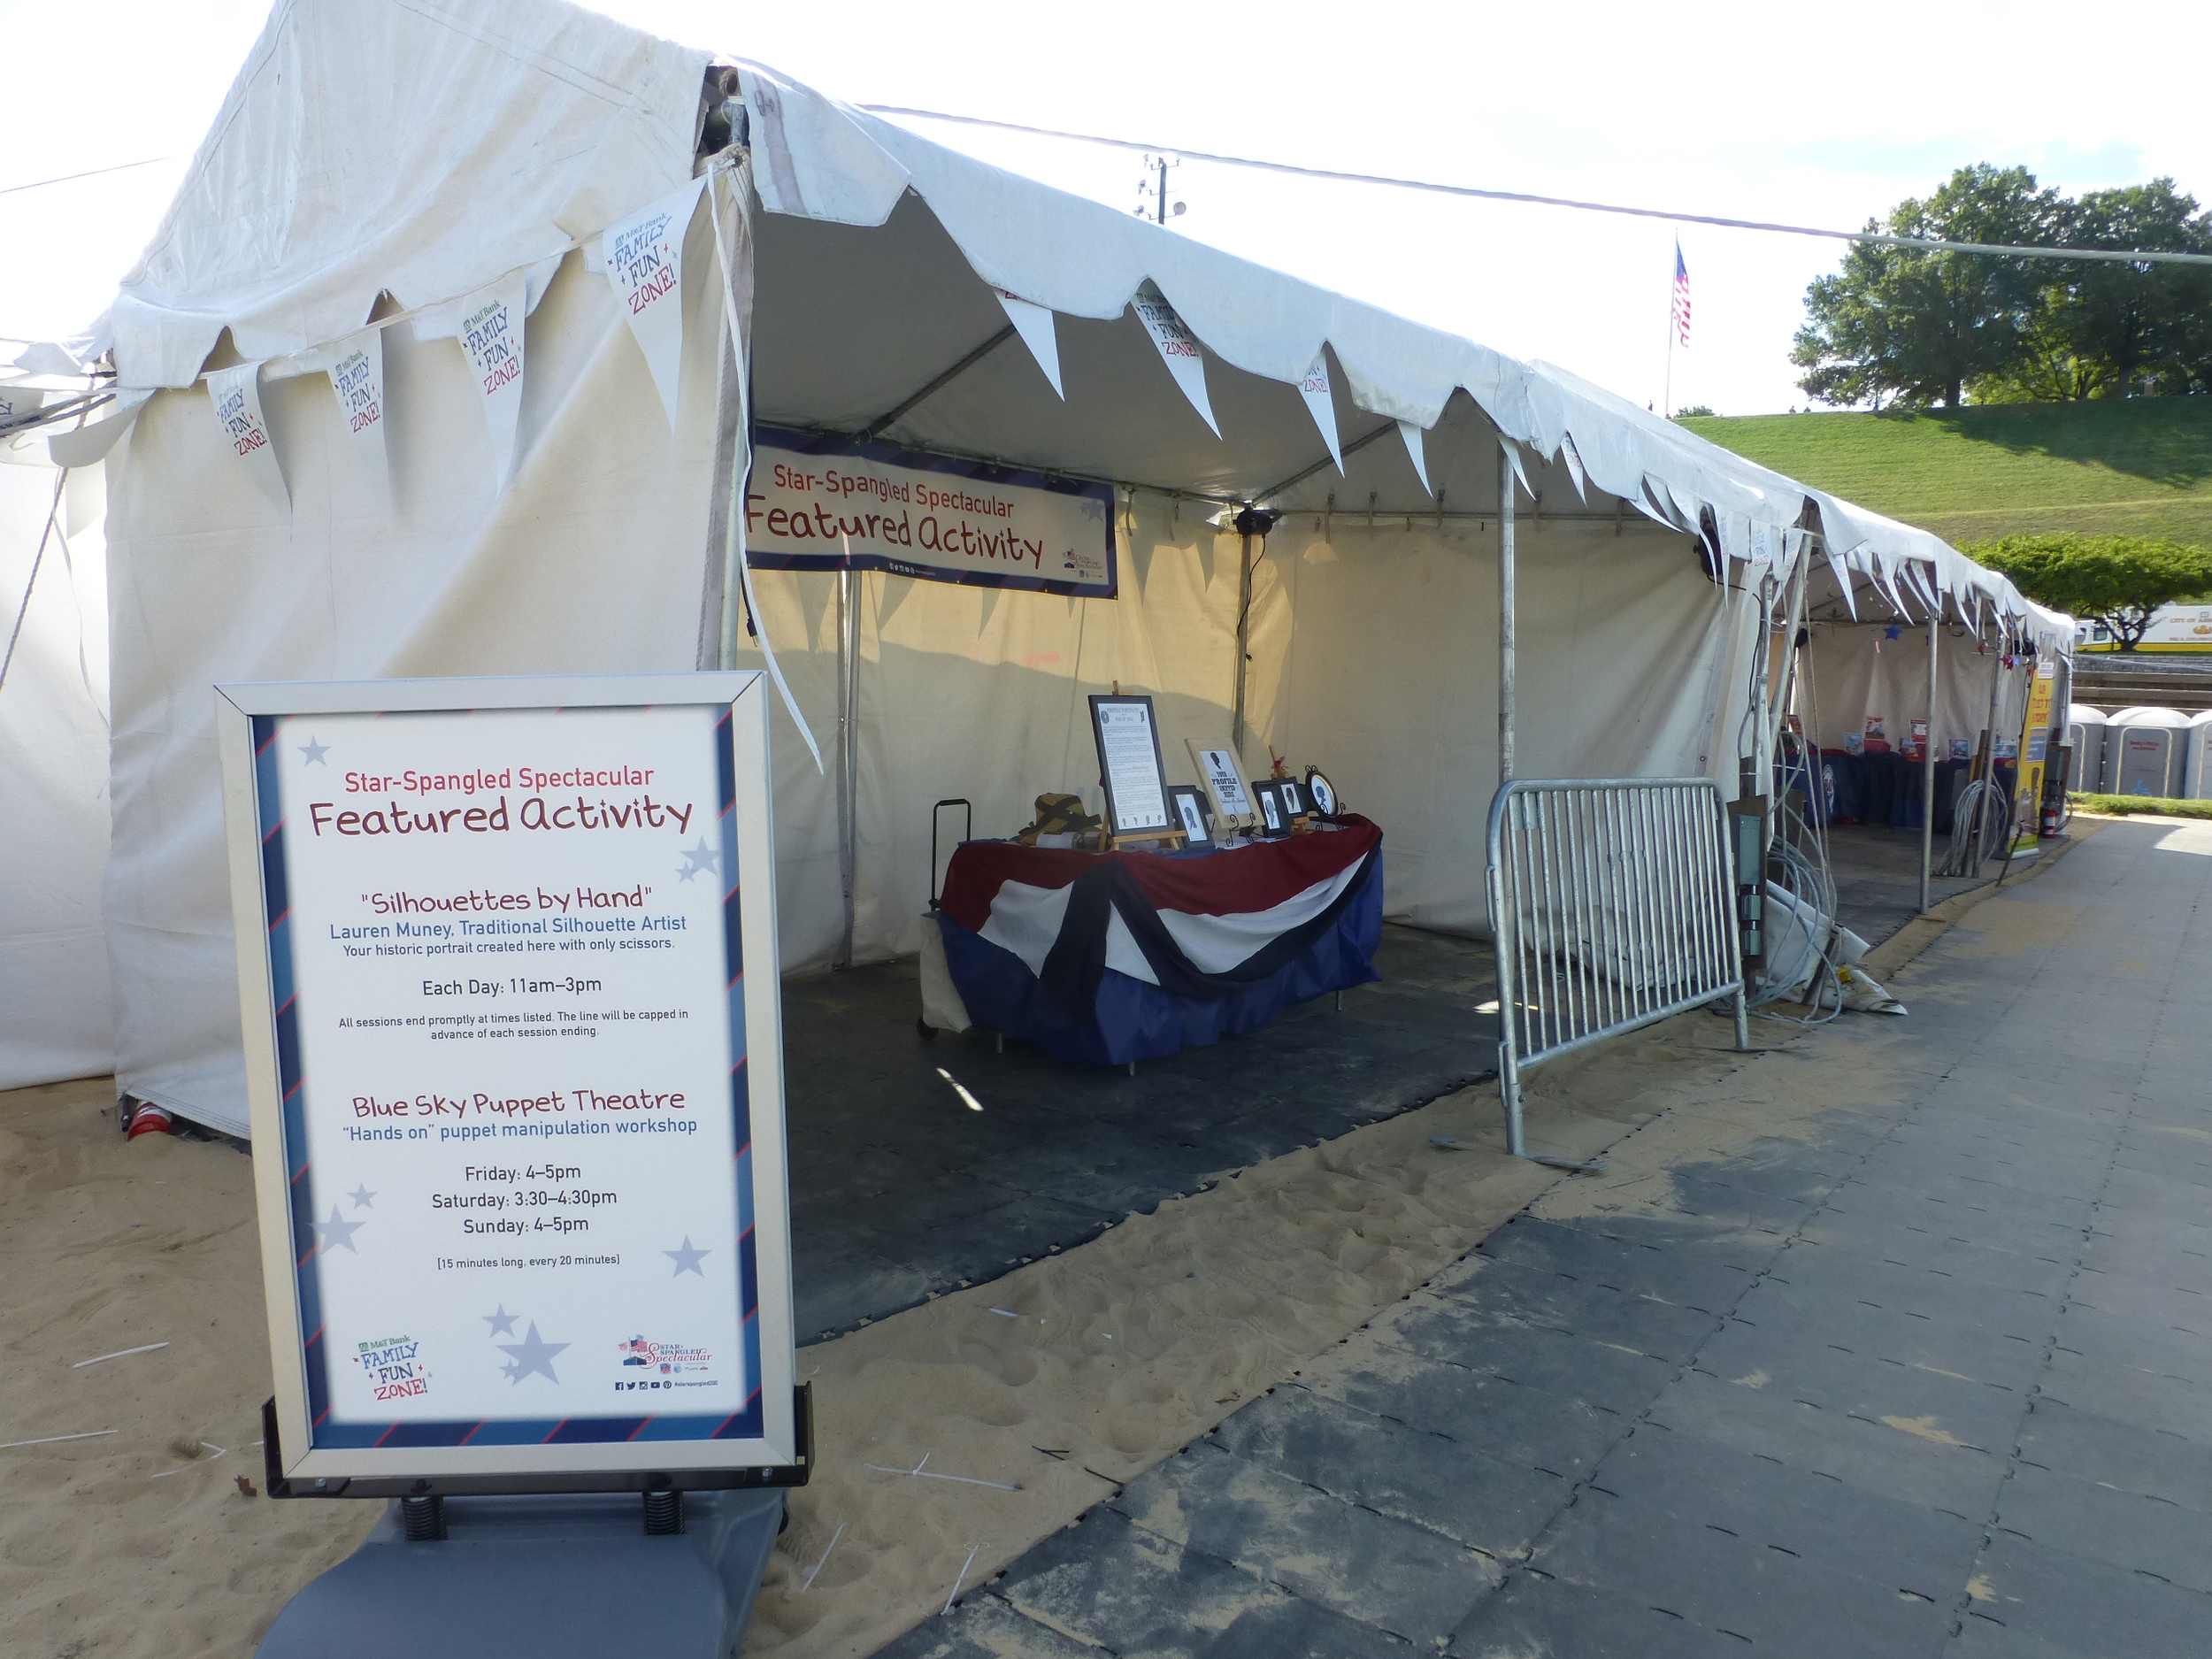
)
(1321, 792)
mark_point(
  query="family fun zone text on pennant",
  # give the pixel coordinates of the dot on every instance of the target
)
(516, 1101)
(828, 505)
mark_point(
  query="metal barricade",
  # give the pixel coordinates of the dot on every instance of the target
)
(1612, 902)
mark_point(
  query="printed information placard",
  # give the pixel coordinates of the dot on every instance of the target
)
(519, 1141)
(828, 505)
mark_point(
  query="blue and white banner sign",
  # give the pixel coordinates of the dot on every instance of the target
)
(818, 503)
(518, 1111)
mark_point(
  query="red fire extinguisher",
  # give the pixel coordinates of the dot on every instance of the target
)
(2050, 820)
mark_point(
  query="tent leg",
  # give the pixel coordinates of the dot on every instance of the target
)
(1928, 767)
(1505, 634)
(1244, 636)
(848, 752)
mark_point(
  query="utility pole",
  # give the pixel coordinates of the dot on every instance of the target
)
(1160, 211)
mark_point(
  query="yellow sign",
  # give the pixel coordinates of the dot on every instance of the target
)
(2035, 738)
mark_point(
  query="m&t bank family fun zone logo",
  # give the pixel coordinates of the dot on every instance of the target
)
(664, 1360)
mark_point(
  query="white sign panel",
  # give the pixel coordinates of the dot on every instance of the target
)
(1218, 771)
(814, 504)
(1129, 761)
(518, 1111)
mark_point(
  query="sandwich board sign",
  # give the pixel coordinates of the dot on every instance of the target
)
(507, 959)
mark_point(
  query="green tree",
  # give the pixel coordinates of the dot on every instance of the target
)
(2105, 329)
(1916, 326)
(2119, 579)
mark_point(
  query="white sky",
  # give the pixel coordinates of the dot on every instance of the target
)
(1807, 115)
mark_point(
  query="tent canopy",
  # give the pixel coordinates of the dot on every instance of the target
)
(371, 147)
(390, 157)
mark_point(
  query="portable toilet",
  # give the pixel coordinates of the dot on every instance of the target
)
(2144, 751)
(2196, 773)
(2085, 735)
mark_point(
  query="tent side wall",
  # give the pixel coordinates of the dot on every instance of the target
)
(1376, 660)
(1854, 680)
(594, 561)
(55, 1015)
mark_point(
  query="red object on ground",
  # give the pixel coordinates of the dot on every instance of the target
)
(149, 1119)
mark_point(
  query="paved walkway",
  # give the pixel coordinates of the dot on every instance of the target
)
(1896, 1342)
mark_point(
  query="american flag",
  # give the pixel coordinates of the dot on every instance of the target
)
(1681, 295)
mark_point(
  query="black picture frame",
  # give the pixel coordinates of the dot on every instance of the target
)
(1135, 805)
(1188, 803)
(1272, 819)
(1320, 793)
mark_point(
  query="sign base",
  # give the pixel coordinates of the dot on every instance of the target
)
(550, 1575)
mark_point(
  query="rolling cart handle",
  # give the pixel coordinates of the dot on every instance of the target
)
(967, 833)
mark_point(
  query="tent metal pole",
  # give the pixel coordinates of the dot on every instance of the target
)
(847, 753)
(1505, 614)
(1928, 765)
(1244, 637)
(875, 427)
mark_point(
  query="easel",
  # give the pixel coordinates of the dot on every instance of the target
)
(1142, 838)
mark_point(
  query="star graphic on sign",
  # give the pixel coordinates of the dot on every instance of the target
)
(502, 1323)
(688, 1260)
(362, 1197)
(314, 751)
(702, 858)
(338, 1230)
(532, 1355)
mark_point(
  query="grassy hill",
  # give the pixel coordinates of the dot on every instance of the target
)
(2139, 466)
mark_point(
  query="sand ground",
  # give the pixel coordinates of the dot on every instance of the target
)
(1063, 1380)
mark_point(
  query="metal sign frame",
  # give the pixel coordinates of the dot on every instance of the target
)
(767, 1440)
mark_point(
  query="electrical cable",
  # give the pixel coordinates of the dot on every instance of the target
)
(2138, 256)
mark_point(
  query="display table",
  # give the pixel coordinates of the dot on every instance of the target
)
(1882, 788)
(1106, 958)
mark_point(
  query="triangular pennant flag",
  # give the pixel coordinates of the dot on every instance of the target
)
(1887, 579)
(644, 255)
(1179, 349)
(235, 394)
(1314, 387)
(81, 445)
(1842, 570)
(490, 326)
(356, 375)
(1033, 323)
(1416, 453)
(1568, 454)
(1513, 455)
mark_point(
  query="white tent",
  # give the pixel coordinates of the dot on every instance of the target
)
(378, 161)
(54, 760)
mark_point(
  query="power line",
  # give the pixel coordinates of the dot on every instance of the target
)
(40, 184)
(2137, 256)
